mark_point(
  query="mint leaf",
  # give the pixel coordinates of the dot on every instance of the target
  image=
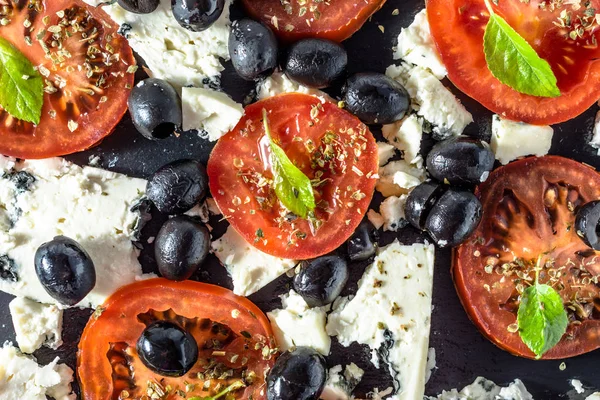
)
(21, 87)
(292, 187)
(514, 62)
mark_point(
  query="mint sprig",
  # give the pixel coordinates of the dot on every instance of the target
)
(292, 187)
(21, 86)
(514, 62)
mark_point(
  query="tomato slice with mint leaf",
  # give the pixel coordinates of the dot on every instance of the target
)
(235, 342)
(565, 36)
(334, 151)
(85, 67)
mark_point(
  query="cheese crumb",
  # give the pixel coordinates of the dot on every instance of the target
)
(512, 140)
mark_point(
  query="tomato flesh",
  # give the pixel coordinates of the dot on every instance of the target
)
(331, 146)
(529, 210)
(335, 20)
(458, 27)
(86, 70)
(234, 338)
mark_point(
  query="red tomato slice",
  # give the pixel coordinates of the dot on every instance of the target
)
(234, 338)
(331, 146)
(458, 26)
(529, 209)
(295, 20)
(86, 75)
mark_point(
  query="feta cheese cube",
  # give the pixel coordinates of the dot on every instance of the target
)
(406, 136)
(483, 389)
(392, 212)
(386, 151)
(595, 142)
(340, 386)
(511, 140)
(593, 396)
(36, 324)
(399, 177)
(279, 83)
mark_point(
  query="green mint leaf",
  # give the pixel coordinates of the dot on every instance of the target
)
(292, 187)
(21, 87)
(542, 318)
(515, 63)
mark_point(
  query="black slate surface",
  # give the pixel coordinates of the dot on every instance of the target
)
(462, 353)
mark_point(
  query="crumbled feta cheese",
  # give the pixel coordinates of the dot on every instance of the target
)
(406, 136)
(392, 212)
(416, 46)
(431, 364)
(511, 140)
(593, 396)
(398, 177)
(299, 325)
(279, 83)
(209, 111)
(483, 389)
(386, 151)
(250, 268)
(375, 218)
(595, 142)
(36, 324)
(577, 385)
(340, 386)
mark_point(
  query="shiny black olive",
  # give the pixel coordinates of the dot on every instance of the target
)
(587, 224)
(155, 108)
(65, 270)
(297, 375)
(320, 281)
(139, 6)
(180, 247)
(253, 49)
(167, 349)
(376, 98)
(453, 218)
(316, 63)
(177, 187)
(420, 201)
(197, 15)
(460, 161)
(363, 243)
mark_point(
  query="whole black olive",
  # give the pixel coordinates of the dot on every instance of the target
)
(420, 201)
(453, 218)
(363, 243)
(587, 224)
(177, 187)
(139, 6)
(376, 98)
(167, 349)
(320, 281)
(460, 161)
(155, 108)
(197, 15)
(297, 375)
(253, 49)
(180, 247)
(65, 270)
(316, 63)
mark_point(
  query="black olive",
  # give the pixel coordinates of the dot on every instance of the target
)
(376, 98)
(197, 15)
(139, 6)
(177, 187)
(65, 270)
(587, 224)
(363, 243)
(297, 375)
(320, 281)
(453, 218)
(419, 203)
(460, 161)
(316, 63)
(181, 246)
(253, 49)
(155, 108)
(167, 349)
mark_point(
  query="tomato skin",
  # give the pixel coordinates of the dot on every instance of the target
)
(518, 223)
(117, 321)
(458, 26)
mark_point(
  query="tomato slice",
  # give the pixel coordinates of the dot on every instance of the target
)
(85, 64)
(234, 338)
(458, 26)
(331, 146)
(529, 210)
(295, 20)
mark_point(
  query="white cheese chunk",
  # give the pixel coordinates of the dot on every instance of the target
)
(22, 378)
(595, 142)
(483, 389)
(432, 100)
(406, 136)
(577, 385)
(375, 218)
(399, 177)
(339, 386)
(299, 325)
(391, 313)
(392, 212)
(593, 396)
(209, 111)
(431, 364)
(36, 324)
(416, 46)
(279, 83)
(385, 151)
(250, 268)
(99, 209)
(511, 140)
